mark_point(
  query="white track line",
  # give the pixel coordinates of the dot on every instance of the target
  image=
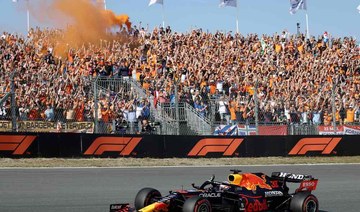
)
(188, 166)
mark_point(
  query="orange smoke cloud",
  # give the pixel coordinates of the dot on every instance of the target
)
(114, 20)
(89, 22)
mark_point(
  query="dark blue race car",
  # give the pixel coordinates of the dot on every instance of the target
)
(242, 192)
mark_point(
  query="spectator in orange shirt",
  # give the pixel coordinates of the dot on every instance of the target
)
(232, 110)
(350, 115)
(79, 111)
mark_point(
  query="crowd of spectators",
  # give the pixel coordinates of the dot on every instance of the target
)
(293, 79)
(52, 87)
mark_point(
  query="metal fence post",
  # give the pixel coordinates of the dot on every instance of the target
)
(333, 96)
(96, 106)
(177, 118)
(13, 103)
(212, 104)
(256, 107)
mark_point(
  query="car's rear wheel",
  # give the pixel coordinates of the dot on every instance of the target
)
(304, 202)
(145, 197)
(197, 204)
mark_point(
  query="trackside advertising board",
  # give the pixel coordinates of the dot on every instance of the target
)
(339, 130)
(155, 146)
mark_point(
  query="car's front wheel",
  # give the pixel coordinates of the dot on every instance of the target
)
(304, 202)
(145, 197)
(197, 204)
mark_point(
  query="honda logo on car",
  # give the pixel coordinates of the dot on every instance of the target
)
(273, 194)
(292, 176)
(210, 195)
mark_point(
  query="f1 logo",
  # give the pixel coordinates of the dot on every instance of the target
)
(227, 146)
(124, 145)
(16, 143)
(326, 145)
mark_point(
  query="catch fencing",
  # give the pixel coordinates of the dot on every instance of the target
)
(248, 114)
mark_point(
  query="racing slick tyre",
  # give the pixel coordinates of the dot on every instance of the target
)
(197, 204)
(304, 202)
(145, 197)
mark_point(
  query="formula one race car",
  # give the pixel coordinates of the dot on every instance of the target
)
(243, 192)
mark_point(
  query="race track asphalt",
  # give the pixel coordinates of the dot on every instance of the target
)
(94, 189)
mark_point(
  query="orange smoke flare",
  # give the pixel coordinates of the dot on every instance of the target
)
(89, 22)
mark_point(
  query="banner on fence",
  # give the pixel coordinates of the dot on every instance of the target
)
(273, 130)
(226, 130)
(246, 130)
(45, 126)
(76, 127)
(243, 130)
(340, 130)
(5, 126)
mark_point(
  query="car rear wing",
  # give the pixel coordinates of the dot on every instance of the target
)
(290, 177)
(307, 182)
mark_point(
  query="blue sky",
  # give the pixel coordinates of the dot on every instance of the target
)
(339, 18)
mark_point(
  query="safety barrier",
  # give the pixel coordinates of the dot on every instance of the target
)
(167, 146)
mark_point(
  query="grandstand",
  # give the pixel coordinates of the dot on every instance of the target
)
(191, 83)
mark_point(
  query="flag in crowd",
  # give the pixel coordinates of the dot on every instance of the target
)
(16, 1)
(326, 37)
(296, 5)
(228, 3)
(156, 2)
(246, 130)
(226, 130)
(263, 45)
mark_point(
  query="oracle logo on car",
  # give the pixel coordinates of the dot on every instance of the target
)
(16, 143)
(210, 195)
(123, 145)
(227, 146)
(326, 145)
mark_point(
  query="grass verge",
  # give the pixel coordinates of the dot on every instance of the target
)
(136, 162)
